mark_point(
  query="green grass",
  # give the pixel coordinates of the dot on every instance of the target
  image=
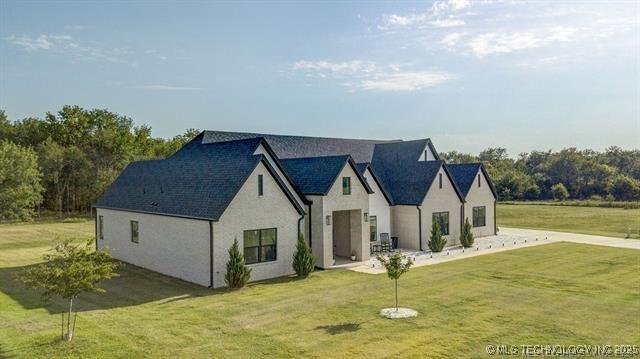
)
(557, 293)
(611, 222)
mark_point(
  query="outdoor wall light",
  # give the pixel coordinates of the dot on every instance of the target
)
(328, 220)
(366, 217)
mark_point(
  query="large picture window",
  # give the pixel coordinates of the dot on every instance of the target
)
(260, 245)
(135, 235)
(373, 228)
(479, 216)
(443, 220)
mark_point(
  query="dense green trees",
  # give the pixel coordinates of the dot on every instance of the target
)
(80, 152)
(584, 173)
(20, 189)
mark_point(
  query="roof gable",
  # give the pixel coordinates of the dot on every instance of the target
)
(464, 174)
(316, 175)
(199, 181)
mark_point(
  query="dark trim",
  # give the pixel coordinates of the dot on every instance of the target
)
(453, 182)
(489, 181)
(275, 158)
(419, 227)
(433, 149)
(495, 215)
(375, 178)
(282, 186)
(210, 254)
(156, 213)
(310, 231)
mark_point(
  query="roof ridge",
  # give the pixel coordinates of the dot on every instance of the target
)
(305, 136)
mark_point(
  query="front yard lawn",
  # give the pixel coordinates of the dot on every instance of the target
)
(557, 293)
(612, 222)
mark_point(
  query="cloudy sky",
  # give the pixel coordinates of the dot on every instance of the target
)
(468, 74)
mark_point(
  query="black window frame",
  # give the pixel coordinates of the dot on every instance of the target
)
(346, 190)
(100, 227)
(478, 180)
(476, 216)
(373, 234)
(440, 180)
(137, 232)
(438, 216)
(260, 185)
(260, 246)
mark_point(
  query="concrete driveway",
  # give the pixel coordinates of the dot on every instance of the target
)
(508, 239)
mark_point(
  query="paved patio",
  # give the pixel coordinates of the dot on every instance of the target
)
(508, 239)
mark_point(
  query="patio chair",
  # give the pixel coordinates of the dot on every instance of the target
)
(385, 242)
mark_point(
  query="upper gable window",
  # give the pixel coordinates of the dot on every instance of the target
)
(478, 180)
(260, 185)
(135, 234)
(440, 180)
(346, 185)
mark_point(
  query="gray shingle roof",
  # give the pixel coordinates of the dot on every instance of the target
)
(198, 181)
(465, 174)
(302, 146)
(316, 175)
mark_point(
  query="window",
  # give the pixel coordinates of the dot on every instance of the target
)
(328, 220)
(100, 227)
(479, 216)
(346, 185)
(134, 232)
(443, 219)
(440, 179)
(426, 156)
(260, 186)
(478, 180)
(260, 245)
(373, 228)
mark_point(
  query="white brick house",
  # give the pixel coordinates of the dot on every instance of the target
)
(179, 216)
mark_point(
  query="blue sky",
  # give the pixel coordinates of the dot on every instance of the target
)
(468, 74)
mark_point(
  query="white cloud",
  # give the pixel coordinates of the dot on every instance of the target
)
(492, 43)
(369, 76)
(165, 88)
(29, 43)
(403, 81)
(441, 14)
(452, 39)
(440, 7)
(447, 23)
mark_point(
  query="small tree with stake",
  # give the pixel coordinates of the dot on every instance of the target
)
(396, 267)
(69, 271)
(238, 273)
(303, 261)
(437, 242)
(466, 237)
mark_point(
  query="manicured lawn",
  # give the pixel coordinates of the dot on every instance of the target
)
(552, 294)
(611, 222)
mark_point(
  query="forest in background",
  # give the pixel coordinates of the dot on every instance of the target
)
(65, 160)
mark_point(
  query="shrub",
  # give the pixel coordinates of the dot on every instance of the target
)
(303, 261)
(437, 242)
(238, 273)
(466, 237)
(559, 192)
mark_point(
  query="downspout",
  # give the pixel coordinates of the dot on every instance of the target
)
(419, 227)
(310, 229)
(95, 219)
(300, 220)
(462, 218)
(495, 216)
(210, 254)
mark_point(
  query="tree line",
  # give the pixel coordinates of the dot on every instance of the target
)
(65, 160)
(613, 174)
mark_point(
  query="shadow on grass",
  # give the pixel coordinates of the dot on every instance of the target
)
(134, 286)
(339, 328)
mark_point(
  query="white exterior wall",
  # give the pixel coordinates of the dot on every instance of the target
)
(442, 199)
(405, 226)
(322, 242)
(378, 206)
(178, 247)
(249, 211)
(481, 196)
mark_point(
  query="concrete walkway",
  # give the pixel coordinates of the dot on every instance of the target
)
(508, 239)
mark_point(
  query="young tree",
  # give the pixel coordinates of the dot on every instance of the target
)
(559, 192)
(396, 267)
(303, 261)
(20, 189)
(70, 270)
(437, 242)
(238, 273)
(466, 237)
